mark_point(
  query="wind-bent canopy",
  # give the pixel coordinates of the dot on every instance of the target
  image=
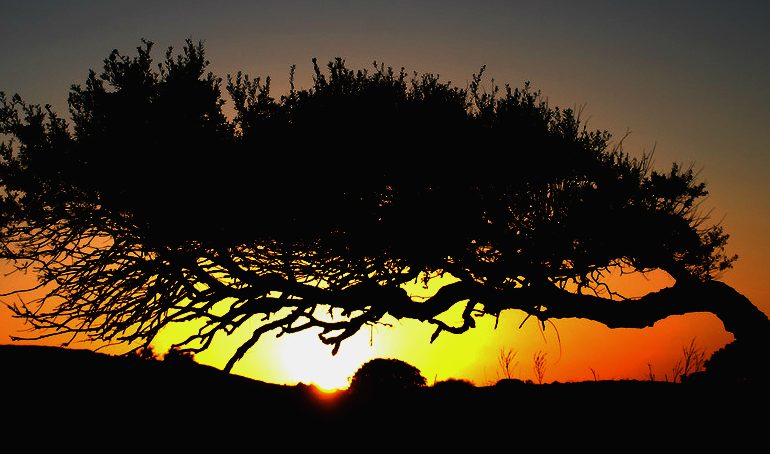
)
(153, 206)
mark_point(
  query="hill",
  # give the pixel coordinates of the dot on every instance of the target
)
(50, 390)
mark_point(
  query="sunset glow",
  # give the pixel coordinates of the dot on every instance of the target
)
(575, 348)
(688, 83)
(305, 359)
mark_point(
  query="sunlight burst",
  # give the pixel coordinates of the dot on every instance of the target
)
(304, 358)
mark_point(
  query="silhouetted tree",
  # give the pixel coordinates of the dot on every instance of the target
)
(145, 352)
(152, 207)
(177, 356)
(454, 384)
(386, 375)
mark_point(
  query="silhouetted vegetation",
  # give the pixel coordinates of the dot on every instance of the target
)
(177, 356)
(506, 362)
(454, 384)
(145, 352)
(53, 393)
(691, 363)
(539, 365)
(312, 210)
(386, 376)
(174, 355)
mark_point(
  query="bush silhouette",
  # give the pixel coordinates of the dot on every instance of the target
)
(385, 376)
(176, 356)
(453, 385)
(145, 352)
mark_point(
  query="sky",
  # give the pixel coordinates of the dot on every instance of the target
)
(686, 79)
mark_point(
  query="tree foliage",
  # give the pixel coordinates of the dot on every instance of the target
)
(386, 375)
(312, 210)
(178, 357)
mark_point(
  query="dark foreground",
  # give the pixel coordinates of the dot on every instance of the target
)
(54, 396)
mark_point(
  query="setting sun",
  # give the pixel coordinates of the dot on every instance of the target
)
(304, 359)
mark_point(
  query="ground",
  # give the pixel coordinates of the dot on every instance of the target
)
(55, 395)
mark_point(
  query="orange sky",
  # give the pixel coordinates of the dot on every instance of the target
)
(688, 80)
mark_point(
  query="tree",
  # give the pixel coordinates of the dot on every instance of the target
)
(386, 375)
(178, 357)
(152, 207)
(144, 353)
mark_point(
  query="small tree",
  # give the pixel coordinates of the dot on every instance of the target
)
(386, 375)
(145, 352)
(175, 356)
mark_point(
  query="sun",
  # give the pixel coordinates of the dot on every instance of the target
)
(289, 359)
(303, 357)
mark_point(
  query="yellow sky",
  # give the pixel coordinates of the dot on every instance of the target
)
(576, 349)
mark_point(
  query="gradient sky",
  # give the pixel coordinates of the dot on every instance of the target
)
(690, 80)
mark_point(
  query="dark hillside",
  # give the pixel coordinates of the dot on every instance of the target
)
(47, 389)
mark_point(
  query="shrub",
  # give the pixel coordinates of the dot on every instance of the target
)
(386, 375)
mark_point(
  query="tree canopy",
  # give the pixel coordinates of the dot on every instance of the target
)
(151, 206)
(386, 376)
